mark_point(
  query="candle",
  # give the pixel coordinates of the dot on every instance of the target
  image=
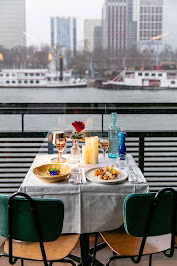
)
(85, 155)
(94, 148)
(88, 145)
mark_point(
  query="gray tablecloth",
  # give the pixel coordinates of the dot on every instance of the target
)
(89, 207)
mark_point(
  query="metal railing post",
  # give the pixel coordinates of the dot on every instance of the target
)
(141, 153)
(22, 122)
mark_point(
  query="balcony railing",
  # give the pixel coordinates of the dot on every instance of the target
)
(155, 151)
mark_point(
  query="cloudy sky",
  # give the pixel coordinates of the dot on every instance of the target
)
(38, 13)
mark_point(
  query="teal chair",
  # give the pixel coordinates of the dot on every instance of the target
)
(149, 227)
(33, 229)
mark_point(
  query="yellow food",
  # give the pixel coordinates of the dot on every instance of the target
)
(107, 173)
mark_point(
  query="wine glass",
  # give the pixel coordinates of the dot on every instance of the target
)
(104, 145)
(58, 138)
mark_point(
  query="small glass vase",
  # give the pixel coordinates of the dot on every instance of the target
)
(75, 156)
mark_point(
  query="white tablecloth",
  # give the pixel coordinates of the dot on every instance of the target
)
(89, 207)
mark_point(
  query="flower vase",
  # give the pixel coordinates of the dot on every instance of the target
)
(74, 157)
(75, 149)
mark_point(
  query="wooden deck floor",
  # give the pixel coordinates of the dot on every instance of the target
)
(103, 255)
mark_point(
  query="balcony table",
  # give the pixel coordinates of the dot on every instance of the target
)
(89, 207)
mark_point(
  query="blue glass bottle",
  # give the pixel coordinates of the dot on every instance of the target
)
(122, 147)
(113, 131)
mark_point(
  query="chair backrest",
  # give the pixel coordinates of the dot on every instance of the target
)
(50, 213)
(138, 207)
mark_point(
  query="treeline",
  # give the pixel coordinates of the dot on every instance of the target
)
(83, 61)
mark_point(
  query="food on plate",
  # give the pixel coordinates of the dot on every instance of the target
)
(53, 171)
(107, 173)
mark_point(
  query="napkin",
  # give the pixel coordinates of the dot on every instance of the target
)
(141, 177)
(83, 175)
(136, 177)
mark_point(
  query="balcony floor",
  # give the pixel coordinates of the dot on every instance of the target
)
(103, 255)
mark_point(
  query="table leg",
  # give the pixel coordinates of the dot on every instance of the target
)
(84, 244)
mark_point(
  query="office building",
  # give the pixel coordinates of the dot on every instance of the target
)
(12, 23)
(63, 32)
(150, 24)
(170, 24)
(89, 32)
(119, 28)
(98, 37)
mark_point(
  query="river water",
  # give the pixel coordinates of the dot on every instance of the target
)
(87, 95)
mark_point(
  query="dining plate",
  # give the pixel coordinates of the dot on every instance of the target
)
(41, 172)
(90, 175)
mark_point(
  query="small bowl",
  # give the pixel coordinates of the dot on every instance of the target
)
(41, 172)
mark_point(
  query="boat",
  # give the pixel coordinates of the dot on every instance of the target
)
(136, 79)
(33, 78)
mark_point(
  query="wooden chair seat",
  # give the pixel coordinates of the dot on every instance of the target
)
(123, 244)
(55, 250)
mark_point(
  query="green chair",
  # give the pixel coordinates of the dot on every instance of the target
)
(149, 227)
(33, 229)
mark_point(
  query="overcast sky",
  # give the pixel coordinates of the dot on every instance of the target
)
(38, 13)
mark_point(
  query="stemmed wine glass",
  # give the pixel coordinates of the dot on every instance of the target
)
(58, 138)
(104, 145)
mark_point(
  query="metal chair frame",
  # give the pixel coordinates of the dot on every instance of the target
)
(169, 254)
(12, 259)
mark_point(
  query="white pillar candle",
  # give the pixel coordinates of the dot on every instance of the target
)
(94, 147)
(85, 155)
(88, 145)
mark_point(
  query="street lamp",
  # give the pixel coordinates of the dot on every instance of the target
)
(157, 38)
(1, 60)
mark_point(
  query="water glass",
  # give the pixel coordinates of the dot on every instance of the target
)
(74, 162)
(122, 162)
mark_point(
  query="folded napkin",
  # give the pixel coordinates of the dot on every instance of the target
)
(136, 176)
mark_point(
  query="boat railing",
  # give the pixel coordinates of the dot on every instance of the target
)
(118, 77)
(153, 150)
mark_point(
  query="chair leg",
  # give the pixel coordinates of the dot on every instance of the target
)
(22, 262)
(68, 261)
(95, 248)
(150, 259)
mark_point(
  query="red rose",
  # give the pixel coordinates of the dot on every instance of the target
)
(78, 125)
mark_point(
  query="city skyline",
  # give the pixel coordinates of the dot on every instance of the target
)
(38, 30)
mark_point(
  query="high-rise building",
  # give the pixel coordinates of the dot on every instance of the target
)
(149, 23)
(89, 32)
(119, 28)
(98, 37)
(170, 24)
(63, 32)
(12, 23)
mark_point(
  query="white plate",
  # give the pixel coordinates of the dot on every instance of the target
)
(90, 175)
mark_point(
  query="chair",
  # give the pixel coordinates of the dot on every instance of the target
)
(149, 227)
(33, 229)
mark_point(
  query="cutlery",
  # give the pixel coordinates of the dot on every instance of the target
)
(139, 176)
(135, 176)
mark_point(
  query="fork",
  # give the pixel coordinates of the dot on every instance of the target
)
(135, 175)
